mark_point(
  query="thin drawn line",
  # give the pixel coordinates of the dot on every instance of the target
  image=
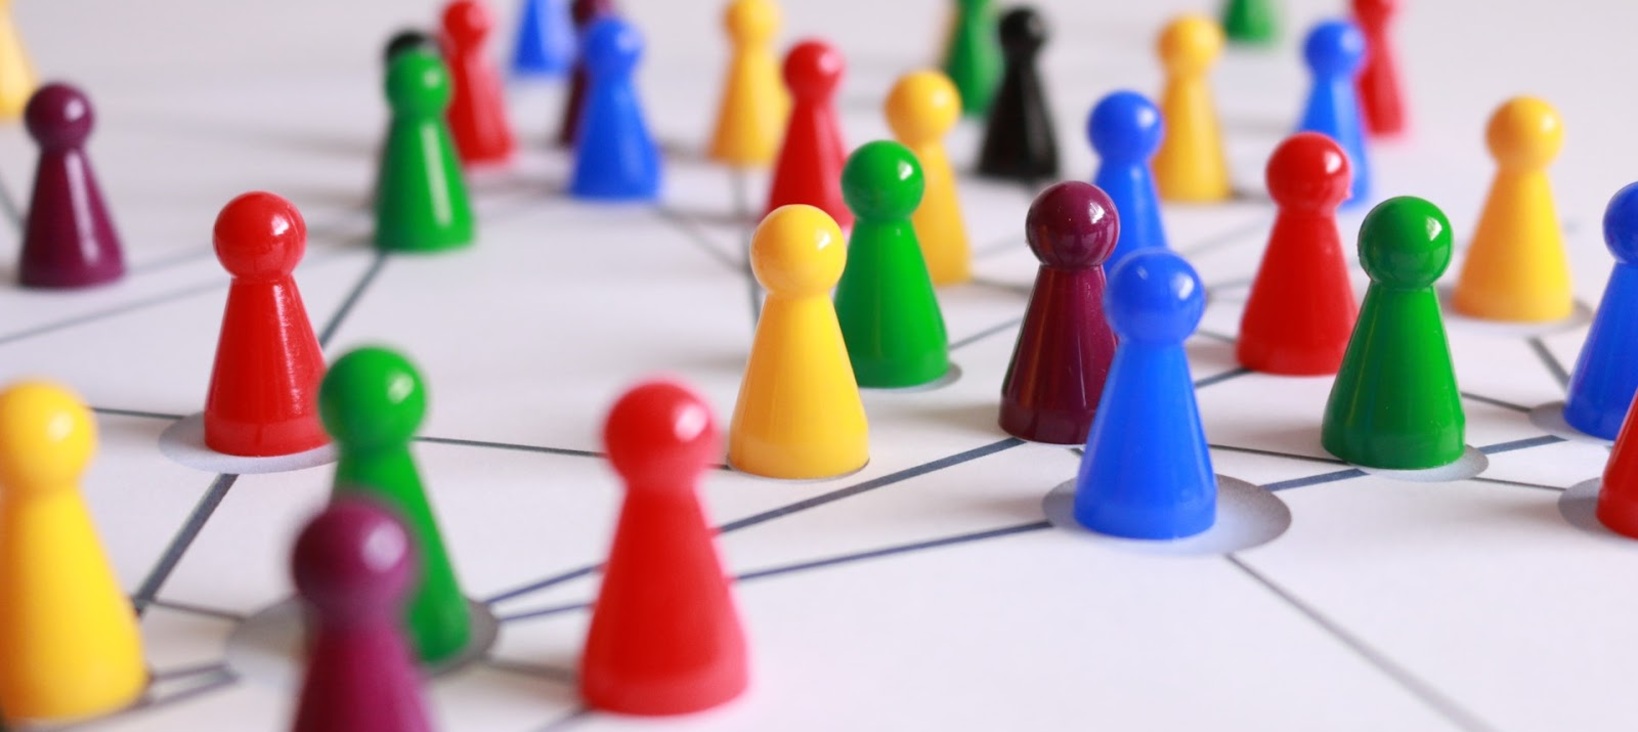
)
(187, 671)
(191, 609)
(742, 209)
(566, 721)
(8, 204)
(533, 670)
(692, 231)
(1233, 373)
(116, 412)
(539, 585)
(509, 446)
(1517, 483)
(127, 308)
(377, 263)
(1495, 402)
(1547, 359)
(985, 333)
(1228, 237)
(1276, 453)
(149, 589)
(1520, 444)
(543, 612)
(1322, 478)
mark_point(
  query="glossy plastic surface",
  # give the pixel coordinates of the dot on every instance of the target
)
(421, 201)
(477, 108)
(1190, 165)
(584, 13)
(616, 158)
(1019, 138)
(1252, 22)
(755, 105)
(1125, 130)
(809, 167)
(68, 238)
(545, 42)
(922, 108)
(1380, 96)
(17, 79)
(972, 54)
(1606, 372)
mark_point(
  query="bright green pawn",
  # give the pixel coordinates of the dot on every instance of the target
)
(372, 402)
(890, 317)
(972, 55)
(1394, 403)
(421, 203)
(1251, 22)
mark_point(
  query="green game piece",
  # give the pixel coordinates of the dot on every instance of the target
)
(1251, 22)
(1395, 403)
(972, 56)
(372, 402)
(421, 203)
(889, 314)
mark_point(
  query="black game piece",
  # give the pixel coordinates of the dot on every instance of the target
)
(1019, 143)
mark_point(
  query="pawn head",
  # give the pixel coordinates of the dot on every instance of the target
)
(584, 12)
(1022, 31)
(418, 83)
(372, 398)
(353, 560)
(798, 250)
(1072, 225)
(47, 437)
(882, 181)
(467, 22)
(922, 107)
(1621, 225)
(1154, 297)
(1405, 243)
(1125, 127)
(408, 39)
(1190, 44)
(260, 235)
(59, 115)
(611, 47)
(813, 69)
(660, 435)
(1309, 172)
(751, 22)
(1335, 48)
(1525, 133)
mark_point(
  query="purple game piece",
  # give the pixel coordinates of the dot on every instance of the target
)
(585, 12)
(1065, 345)
(353, 566)
(69, 239)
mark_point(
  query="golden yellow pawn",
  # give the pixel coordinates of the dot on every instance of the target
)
(1516, 269)
(17, 80)
(799, 415)
(1190, 165)
(751, 118)
(921, 109)
(69, 646)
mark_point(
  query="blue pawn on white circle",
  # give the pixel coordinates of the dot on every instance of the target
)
(1146, 472)
(615, 158)
(1125, 129)
(1606, 373)
(1335, 52)
(545, 40)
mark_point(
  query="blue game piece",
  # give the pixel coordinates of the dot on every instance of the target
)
(616, 158)
(1605, 377)
(1146, 473)
(1125, 129)
(545, 42)
(1335, 52)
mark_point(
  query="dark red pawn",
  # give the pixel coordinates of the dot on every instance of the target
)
(585, 12)
(1056, 377)
(1301, 311)
(69, 239)
(353, 565)
(263, 397)
(665, 637)
(1381, 100)
(809, 169)
(477, 110)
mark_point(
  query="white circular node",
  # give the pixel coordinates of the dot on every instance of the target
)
(1469, 465)
(1247, 516)
(184, 442)
(1549, 418)
(950, 377)
(1580, 315)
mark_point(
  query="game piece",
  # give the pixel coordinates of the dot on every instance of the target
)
(1618, 491)
(1604, 381)
(421, 202)
(1190, 165)
(751, 116)
(1019, 141)
(407, 40)
(798, 415)
(1334, 52)
(69, 645)
(261, 400)
(17, 80)
(1516, 269)
(477, 107)
(1251, 22)
(584, 13)
(972, 55)
(809, 168)
(885, 302)
(616, 158)
(68, 237)
(665, 637)
(1061, 359)
(1379, 95)
(1394, 403)
(545, 42)
(372, 402)
(1125, 129)
(1146, 472)
(1301, 310)
(352, 565)
(921, 109)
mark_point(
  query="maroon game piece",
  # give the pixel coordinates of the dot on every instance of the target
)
(263, 397)
(809, 169)
(665, 637)
(69, 240)
(1301, 311)
(1380, 98)
(585, 13)
(353, 565)
(477, 109)
(1056, 377)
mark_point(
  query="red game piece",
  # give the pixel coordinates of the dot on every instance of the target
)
(477, 111)
(353, 565)
(1618, 493)
(1055, 380)
(69, 239)
(263, 397)
(1301, 311)
(809, 169)
(1380, 98)
(585, 13)
(665, 637)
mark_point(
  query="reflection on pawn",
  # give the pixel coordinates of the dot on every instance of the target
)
(1125, 130)
(616, 158)
(1335, 52)
(1604, 381)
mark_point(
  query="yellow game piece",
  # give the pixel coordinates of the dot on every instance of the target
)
(799, 415)
(1190, 165)
(751, 118)
(1516, 268)
(921, 109)
(69, 646)
(17, 80)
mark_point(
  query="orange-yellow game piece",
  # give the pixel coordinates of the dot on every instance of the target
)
(17, 79)
(799, 415)
(1516, 269)
(751, 118)
(1190, 165)
(921, 109)
(69, 646)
